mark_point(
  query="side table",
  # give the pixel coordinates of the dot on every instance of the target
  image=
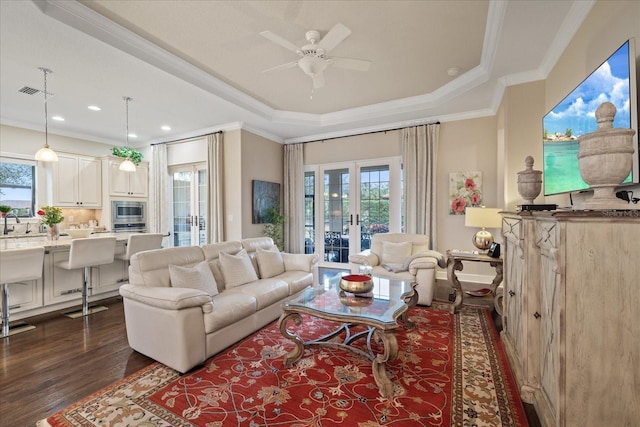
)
(454, 263)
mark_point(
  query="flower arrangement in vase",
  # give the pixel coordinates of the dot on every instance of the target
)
(51, 216)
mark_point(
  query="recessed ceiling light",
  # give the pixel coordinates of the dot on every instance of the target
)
(165, 127)
(94, 108)
(453, 71)
(58, 118)
(133, 135)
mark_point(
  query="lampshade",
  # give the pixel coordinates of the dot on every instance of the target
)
(484, 218)
(46, 154)
(127, 165)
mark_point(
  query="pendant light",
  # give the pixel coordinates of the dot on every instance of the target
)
(46, 154)
(127, 165)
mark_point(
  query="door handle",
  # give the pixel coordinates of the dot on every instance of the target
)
(357, 219)
(350, 219)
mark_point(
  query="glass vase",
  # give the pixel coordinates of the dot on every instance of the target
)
(53, 232)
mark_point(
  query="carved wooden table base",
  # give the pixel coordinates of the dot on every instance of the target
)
(454, 263)
(386, 338)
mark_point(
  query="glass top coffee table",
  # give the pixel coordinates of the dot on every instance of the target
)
(389, 302)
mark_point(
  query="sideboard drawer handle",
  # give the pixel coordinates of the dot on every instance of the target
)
(536, 315)
(511, 293)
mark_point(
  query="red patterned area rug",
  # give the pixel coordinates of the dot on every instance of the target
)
(451, 370)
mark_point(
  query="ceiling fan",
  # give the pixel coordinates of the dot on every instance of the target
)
(313, 59)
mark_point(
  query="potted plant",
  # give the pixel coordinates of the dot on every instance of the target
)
(51, 216)
(128, 153)
(275, 226)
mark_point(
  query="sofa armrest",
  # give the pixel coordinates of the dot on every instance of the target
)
(365, 256)
(300, 262)
(168, 298)
(435, 256)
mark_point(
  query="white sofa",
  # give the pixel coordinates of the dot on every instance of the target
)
(173, 313)
(403, 256)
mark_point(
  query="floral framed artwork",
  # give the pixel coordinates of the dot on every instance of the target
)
(465, 189)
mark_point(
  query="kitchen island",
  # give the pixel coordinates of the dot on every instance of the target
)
(58, 288)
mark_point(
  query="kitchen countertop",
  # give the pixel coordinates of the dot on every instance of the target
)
(20, 242)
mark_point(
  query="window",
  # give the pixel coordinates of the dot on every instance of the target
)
(18, 185)
(309, 212)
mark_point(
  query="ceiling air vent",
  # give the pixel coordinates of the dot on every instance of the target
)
(28, 90)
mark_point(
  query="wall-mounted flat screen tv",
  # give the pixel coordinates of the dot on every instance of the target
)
(574, 116)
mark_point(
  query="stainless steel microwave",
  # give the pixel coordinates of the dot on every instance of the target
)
(124, 211)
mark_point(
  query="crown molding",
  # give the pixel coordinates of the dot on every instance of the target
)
(572, 22)
(76, 135)
(82, 18)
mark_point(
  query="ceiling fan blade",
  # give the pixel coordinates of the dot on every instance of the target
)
(351, 63)
(281, 67)
(338, 33)
(279, 40)
(318, 80)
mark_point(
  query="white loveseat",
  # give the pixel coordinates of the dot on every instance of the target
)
(184, 305)
(403, 256)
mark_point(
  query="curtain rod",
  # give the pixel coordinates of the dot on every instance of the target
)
(369, 133)
(187, 139)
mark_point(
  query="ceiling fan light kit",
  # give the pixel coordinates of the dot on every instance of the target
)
(313, 60)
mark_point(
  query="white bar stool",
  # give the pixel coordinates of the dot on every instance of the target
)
(86, 253)
(17, 265)
(139, 242)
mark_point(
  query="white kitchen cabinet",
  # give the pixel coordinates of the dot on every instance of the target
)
(25, 295)
(570, 319)
(77, 181)
(128, 184)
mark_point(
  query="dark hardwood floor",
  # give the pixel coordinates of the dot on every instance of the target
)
(64, 360)
(61, 361)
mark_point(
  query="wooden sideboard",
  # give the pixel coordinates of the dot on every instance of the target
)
(572, 314)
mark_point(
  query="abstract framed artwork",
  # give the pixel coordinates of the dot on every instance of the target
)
(266, 196)
(465, 189)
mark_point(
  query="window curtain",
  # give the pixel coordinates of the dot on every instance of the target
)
(294, 198)
(159, 205)
(419, 159)
(215, 193)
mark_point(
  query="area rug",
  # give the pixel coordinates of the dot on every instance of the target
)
(451, 370)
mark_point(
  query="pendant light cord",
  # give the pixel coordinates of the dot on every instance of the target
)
(126, 100)
(46, 112)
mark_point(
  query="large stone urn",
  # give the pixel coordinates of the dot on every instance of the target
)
(529, 182)
(605, 158)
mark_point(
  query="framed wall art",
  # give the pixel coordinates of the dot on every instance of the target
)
(266, 196)
(465, 189)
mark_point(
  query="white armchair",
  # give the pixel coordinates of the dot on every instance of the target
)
(403, 256)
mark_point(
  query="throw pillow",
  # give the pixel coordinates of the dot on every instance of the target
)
(196, 277)
(395, 253)
(237, 269)
(270, 262)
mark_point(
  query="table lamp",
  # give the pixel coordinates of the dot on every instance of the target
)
(484, 218)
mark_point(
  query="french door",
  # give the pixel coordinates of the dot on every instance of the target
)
(189, 204)
(350, 202)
